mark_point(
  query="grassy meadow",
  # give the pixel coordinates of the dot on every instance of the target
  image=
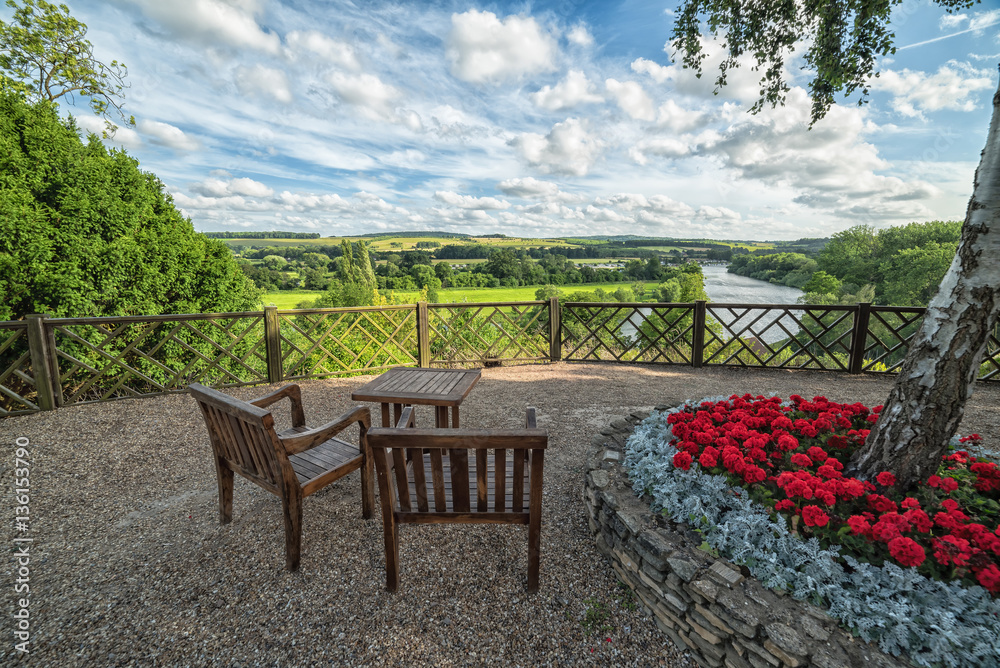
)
(288, 299)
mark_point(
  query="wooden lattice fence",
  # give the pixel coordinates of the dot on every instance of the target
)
(50, 362)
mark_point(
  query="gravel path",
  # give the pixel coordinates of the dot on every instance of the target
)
(131, 567)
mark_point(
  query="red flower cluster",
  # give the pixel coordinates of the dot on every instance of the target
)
(792, 457)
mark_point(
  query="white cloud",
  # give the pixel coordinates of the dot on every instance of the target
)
(366, 91)
(672, 116)
(632, 99)
(568, 148)
(580, 36)
(482, 48)
(573, 90)
(528, 187)
(167, 135)
(217, 188)
(333, 52)
(667, 147)
(659, 73)
(954, 86)
(264, 80)
(124, 137)
(469, 202)
(212, 22)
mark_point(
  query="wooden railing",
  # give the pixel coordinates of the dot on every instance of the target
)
(48, 362)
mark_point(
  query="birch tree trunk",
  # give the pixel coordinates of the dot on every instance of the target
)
(927, 402)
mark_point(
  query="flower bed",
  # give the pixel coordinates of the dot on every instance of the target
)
(910, 572)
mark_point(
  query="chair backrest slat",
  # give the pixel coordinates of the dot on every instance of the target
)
(482, 491)
(459, 480)
(437, 477)
(402, 486)
(500, 480)
(517, 483)
(416, 457)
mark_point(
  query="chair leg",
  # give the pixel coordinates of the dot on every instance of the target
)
(225, 477)
(292, 507)
(367, 489)
(390, 531)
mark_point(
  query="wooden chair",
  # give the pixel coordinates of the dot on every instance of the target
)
(425, 477)
(291, 464)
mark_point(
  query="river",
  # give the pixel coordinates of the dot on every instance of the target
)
(725, 288)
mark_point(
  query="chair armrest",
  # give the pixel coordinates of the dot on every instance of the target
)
(294, 393)
(310, 439)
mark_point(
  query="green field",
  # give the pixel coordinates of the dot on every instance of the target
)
(407, 243)
(287, 299)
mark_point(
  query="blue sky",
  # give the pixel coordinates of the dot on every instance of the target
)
(533, 119)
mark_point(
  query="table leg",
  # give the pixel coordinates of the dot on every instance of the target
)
(454, 417)
(385, 416)
(441, 417)
(397, 412)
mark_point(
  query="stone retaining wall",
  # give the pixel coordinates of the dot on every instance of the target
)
(704, 603)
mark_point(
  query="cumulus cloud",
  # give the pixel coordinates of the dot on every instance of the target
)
(263, 80)
(366, 91)
(125, 137)
(167, 135)
(659, 73)
(218, 187)
(666, 147)
(954, 86)
(672, 116)
(567, 148)
(469, 202)
(573, 90)
(580, 36)
(632, 99)
(528, 187)
(314, 43)
(212, 23)
(482, 48)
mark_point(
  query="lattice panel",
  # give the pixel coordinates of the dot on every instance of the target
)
(485, 333)
(887, 342)
(318, 344)
(628, 333)
(787, 337)
(990, 368)
(17, 380)
(102, 359)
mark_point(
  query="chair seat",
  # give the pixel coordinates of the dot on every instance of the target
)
(473, 486)
(321, 460)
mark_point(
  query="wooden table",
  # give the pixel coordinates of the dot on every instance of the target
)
(406, 386)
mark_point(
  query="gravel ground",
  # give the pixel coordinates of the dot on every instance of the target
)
(130, 566)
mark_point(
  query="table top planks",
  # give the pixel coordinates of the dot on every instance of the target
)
(411, 385)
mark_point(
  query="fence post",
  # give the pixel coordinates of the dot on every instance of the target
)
(698, 334)
(555, 330)
(272, 342)
(45, 372)
(423, 336)
(859, 336)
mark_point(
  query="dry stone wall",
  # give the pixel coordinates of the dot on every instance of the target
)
(701, 602)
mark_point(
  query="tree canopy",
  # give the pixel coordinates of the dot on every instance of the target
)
(45, 53)
(85, 232)
(844, 40)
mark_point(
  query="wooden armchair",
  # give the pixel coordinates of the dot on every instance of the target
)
(425, 477)
(291, 464)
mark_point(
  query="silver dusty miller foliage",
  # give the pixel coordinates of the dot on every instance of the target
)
(934, 623)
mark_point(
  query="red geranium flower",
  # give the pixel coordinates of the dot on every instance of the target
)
(814, 516)
(682, 460)
(906, 551)
(886, 479)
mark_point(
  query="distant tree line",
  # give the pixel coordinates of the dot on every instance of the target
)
(262, 235)
(898, 266)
